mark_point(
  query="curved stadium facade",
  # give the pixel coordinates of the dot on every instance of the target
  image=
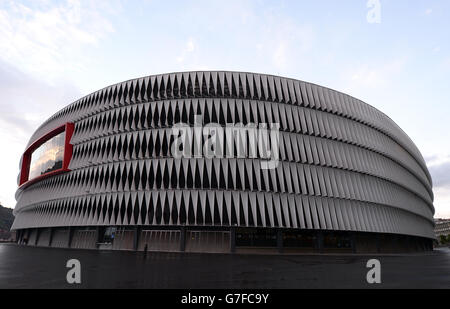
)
(223, 162)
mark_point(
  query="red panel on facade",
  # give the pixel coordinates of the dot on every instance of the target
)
(68, 128)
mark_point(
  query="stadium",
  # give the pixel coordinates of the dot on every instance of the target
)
(223, 162)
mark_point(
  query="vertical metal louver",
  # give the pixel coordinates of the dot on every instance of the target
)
(343, 164)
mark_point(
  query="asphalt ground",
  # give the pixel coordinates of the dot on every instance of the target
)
(33, 267)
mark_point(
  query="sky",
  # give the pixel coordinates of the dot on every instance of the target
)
(392, 54)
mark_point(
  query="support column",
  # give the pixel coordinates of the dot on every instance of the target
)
(182, 239)
(378, 241)
(353, 242)
(19, 236)
(28, 236)
(280, 240)
(233, 240)
(320, 241)
(423, 245)
(409, 244)
(50, 238)
(38, 232)
(97, 236)
(137, 235)
(70, 237)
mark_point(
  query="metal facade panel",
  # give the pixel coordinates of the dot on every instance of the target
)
(345, 165)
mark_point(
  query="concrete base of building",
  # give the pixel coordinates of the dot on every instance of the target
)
(221, 240)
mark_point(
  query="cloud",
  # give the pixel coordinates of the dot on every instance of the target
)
(287, 41)
(246, 36)
(430, 159)
(428, 11)
(41, 45)
(374, 75)
(46, 40)
(188, 49)
(442, 202)
(25, 102)
(439, 168)
(446, 63)
(440, 173)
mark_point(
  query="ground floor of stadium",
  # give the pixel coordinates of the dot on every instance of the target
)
(221, 240)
